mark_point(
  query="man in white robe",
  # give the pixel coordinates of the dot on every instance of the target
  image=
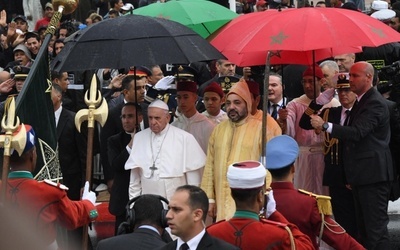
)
(190, 119)
(310, 164)
(163, 157)
(213, 99)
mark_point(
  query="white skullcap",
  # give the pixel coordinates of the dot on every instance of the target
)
(159, 104)
(246, 175)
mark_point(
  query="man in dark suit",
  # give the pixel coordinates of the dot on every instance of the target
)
(119, 148)
(133, 91)
(223, 68)
(187, 213)
(71, 155)
(148, 223)
(334, 175)
(366, 156)
(71, 146)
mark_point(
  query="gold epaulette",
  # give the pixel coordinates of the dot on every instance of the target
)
(323, 202)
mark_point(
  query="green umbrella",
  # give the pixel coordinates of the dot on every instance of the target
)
(202, 16)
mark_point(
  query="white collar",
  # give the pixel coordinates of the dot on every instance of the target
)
(150, 228)
(57, 114)
(193, 242)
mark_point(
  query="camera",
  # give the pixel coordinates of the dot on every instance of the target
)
(389, 81)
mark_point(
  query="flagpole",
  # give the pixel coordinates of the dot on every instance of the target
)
(63, 7)
(97, 111)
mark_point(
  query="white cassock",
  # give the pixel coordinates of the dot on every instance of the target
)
(177, 158)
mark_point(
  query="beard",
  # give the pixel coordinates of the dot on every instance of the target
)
(236, 116)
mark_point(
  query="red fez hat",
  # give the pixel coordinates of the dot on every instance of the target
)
(140, 71)
(310, 72)
(214, 87)
(253, 87)
(187, 86)
(260, 3)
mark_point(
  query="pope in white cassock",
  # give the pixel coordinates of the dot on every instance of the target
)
(163, 157)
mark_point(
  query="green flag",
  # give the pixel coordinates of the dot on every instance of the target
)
(34, 107)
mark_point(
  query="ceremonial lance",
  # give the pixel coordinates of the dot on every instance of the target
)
(91, 114)
(10, 140)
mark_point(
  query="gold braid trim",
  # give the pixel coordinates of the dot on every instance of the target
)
(309, 111)
(328, 141)
(335, 225)
(292, 245)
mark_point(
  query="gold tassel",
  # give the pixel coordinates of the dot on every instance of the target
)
(323, 202)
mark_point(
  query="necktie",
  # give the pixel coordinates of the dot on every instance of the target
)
(184, 246)
(274, 111)
(346, 121)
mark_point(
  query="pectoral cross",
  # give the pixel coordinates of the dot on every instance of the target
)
(153, 168)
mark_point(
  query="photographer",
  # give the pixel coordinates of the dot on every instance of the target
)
(390, 90)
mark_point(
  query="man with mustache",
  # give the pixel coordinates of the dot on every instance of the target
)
(236, 139)
(133, 90)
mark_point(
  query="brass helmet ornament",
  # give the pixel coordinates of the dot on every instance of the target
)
(69, 5)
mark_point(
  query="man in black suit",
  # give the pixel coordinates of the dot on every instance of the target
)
(334, 175)
(187, 213)
(223, 68)
(71, 146)
(119, 148)
(133, 91)
(71, 155)
(366, 156)
(148, 224)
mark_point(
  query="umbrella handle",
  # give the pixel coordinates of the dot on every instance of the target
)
(265, 108)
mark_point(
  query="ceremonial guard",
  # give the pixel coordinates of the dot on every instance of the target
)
(246, 230)
(309, 212)
(45, 203)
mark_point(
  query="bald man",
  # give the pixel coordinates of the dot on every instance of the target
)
(366, 156)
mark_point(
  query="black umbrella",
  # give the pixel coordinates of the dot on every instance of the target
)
(133, 40)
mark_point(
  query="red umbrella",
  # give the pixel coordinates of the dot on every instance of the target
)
(326, 31)
(288, 56)
(302, 35)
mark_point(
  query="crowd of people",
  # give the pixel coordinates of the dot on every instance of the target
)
(180, 150)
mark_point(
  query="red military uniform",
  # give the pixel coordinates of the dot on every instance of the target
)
(302, 210)
(46, 205)
(248, 232)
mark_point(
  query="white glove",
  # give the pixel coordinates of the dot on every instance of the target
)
(271, 205)
(164, 83)
(326, 96)
(88, 195)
